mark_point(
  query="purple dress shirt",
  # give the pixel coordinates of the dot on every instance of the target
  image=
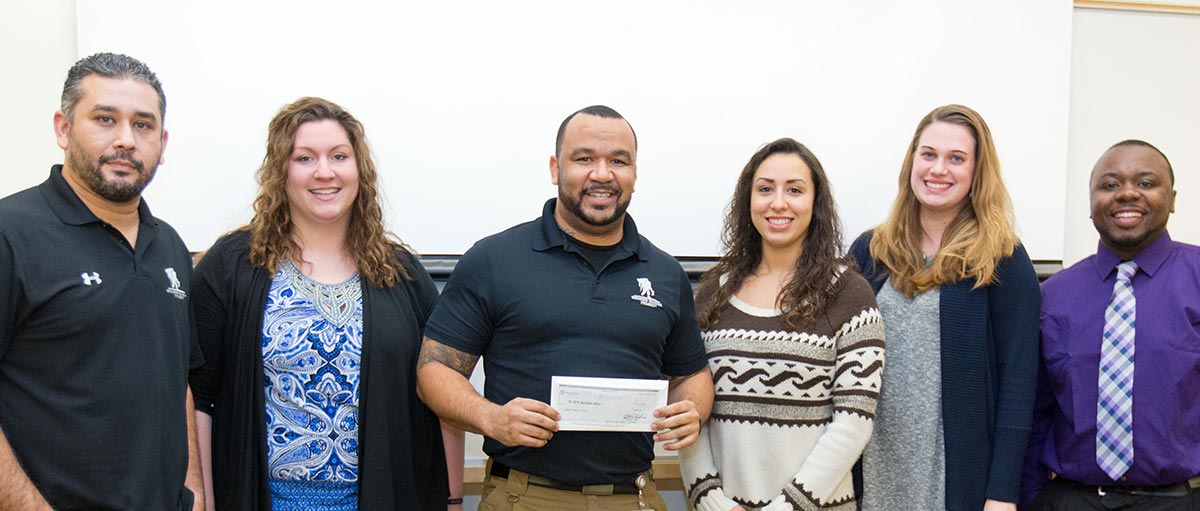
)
(1166, 388)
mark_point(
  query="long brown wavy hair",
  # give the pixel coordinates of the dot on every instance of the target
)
(375, 251)
(976, 239)
(814, 280)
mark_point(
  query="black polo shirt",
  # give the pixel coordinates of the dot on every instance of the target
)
(95, 345)
(533, 307)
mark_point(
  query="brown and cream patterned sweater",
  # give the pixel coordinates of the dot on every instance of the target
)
(793, 409)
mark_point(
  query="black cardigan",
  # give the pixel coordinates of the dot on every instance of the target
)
(989, 371)
(402, 464)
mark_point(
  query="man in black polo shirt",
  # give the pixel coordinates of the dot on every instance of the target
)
(95, 336)
(576, 292)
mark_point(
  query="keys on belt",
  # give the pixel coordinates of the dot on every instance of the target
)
(632, 487)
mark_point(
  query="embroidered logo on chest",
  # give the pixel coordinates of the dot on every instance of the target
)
(174, 290)
(91, 278)
(646, 296)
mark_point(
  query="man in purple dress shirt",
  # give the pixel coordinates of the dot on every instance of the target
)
(1132, 194)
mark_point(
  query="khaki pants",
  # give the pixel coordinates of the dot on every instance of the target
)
(516, 494)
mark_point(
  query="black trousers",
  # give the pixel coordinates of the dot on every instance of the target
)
(1060, 495)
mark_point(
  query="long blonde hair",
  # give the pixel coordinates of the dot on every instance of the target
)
(373, 249)
(979, 236)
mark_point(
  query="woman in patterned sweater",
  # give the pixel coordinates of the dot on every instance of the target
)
(795, 344)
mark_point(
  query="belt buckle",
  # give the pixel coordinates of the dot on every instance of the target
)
(1100, 491)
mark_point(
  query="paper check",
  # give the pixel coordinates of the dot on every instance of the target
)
(606, 404)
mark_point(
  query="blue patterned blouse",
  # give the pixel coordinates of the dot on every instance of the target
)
(312, 351)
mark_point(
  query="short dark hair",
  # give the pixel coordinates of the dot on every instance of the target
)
(1133, 142)
(600, 111)
(108, 65)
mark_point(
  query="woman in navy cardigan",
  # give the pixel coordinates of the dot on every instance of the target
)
(960, 301)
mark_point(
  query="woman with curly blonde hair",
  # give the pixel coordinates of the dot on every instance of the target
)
(959, 299)
(310, 318)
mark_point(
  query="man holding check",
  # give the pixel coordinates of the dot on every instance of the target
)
(574, 293)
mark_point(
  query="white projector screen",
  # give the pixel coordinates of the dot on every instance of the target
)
(461, 100)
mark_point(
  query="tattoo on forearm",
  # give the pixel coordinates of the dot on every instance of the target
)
(433, 351)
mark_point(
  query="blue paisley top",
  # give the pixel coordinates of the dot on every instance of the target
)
(312, 351)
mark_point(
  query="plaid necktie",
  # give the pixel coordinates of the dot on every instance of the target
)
(1114, 410)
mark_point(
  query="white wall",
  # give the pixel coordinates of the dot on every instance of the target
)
(461, 100)
(1133, 75)
(37, 46)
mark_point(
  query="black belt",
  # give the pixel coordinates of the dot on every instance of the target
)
(1167, 490)
(621, 488)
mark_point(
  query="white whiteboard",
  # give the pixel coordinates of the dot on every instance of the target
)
(1134, 75)
(461, 100)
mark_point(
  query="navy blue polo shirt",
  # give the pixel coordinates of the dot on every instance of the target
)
(95, 346)
(529, 302)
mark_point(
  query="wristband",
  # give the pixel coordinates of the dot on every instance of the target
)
(451, 502)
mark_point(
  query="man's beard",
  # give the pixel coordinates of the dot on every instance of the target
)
(113, 190)
(575, 206)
